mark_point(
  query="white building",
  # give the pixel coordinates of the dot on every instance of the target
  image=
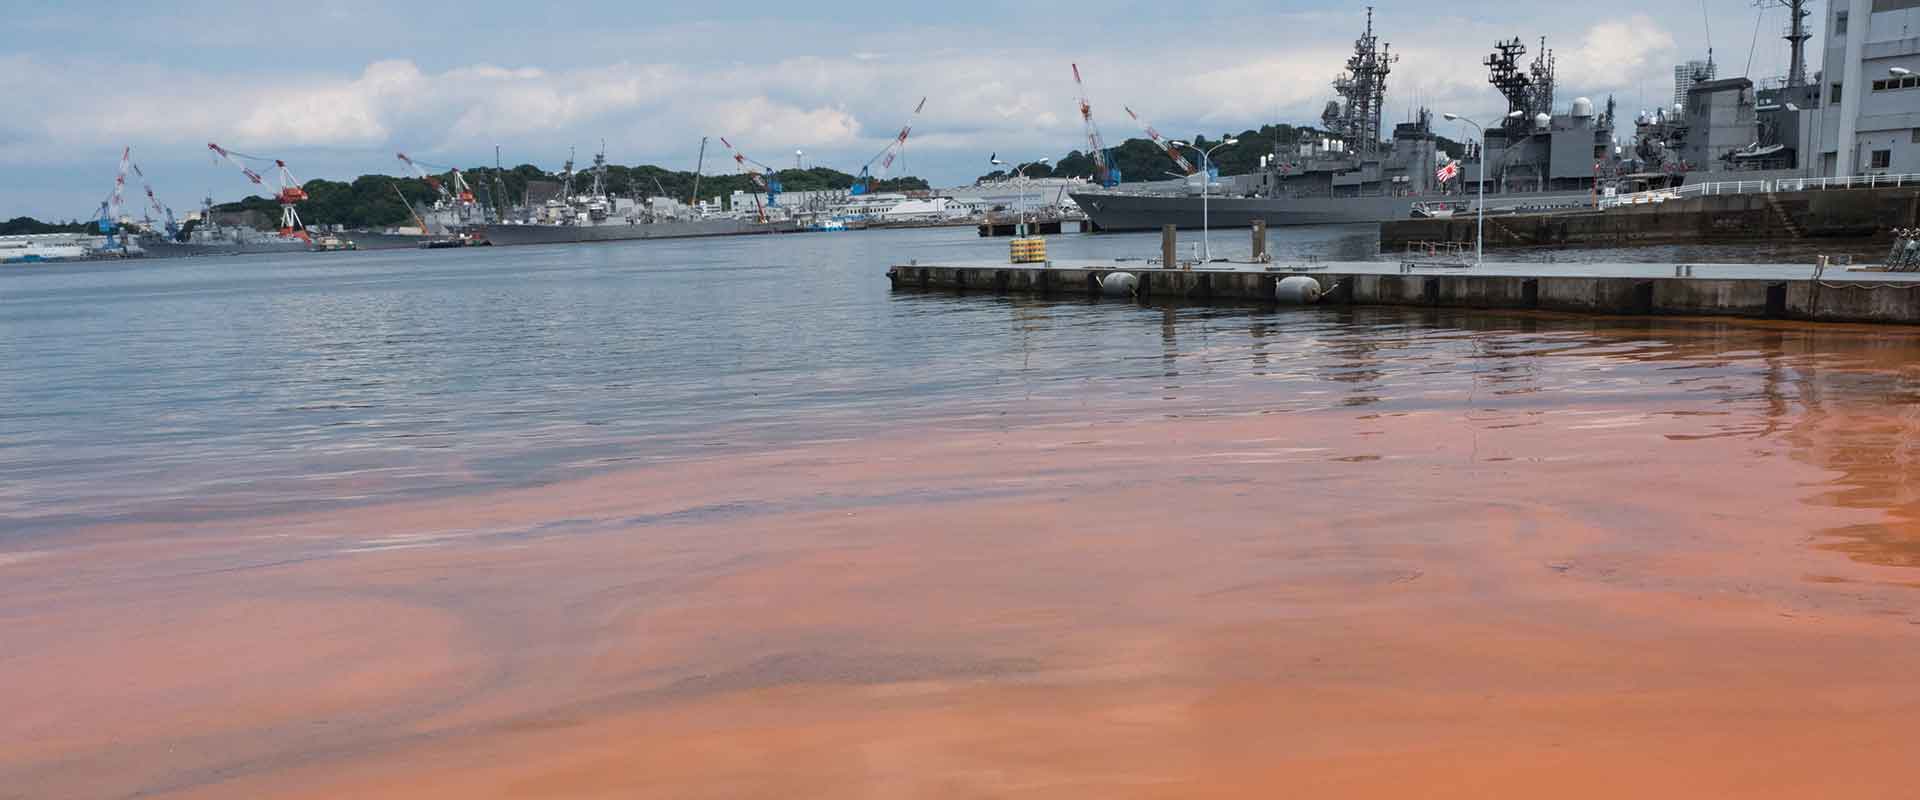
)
(1869, 122)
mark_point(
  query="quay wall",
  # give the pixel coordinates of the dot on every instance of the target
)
(1778, 298)
(1861, 214)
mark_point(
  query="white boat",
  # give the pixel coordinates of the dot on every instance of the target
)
(39, 248)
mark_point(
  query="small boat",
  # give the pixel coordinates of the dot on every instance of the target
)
(331, 243)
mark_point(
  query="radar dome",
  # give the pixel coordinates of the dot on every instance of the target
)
(1582, 107)
(1541, 121)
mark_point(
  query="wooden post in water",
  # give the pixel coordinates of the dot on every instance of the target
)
(1259, 240)
(1168, 248)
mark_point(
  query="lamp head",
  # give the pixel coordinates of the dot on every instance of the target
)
(1899, 72)
(1450, 117)
(1231, 141)
(1516, 114)
(1178, 143)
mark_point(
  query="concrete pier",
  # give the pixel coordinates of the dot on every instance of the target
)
(1781, 291)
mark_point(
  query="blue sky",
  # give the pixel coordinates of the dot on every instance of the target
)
(338, 88)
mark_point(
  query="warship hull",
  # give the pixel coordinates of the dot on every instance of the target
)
(1118, 211)
(621, 231)
(165, 248)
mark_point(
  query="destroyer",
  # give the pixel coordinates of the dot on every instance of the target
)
(1352, 175)
(598, 216)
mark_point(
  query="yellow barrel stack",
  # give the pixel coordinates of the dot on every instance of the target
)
(1030, 250)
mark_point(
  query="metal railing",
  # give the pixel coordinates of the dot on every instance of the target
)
(1760, 187)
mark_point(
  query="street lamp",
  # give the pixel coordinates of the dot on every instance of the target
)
(1480, 207)
(1021, 172)
(1206, 184)
(1899, 72)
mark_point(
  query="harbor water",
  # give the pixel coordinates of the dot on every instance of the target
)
(732, 518)
(187, 388)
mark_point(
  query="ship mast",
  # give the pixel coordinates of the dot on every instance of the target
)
(1363, 90)
(1796, 36)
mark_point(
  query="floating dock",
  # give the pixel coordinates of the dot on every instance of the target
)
(1780, 291)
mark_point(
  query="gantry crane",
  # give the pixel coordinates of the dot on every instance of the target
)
(289, 194)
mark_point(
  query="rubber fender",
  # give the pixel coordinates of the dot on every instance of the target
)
(1119, 284)
(1297, 290)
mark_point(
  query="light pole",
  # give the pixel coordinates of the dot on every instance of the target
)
(1206, 184)
(1021, 173)
(1480, 206)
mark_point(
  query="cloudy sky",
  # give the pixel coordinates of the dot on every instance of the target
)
(336, 91)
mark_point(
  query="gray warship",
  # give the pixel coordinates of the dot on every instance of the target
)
(598, 216)
(205, 236)
(1350, 174)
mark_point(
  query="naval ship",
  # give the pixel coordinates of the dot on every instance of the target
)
(205, 236)
(598, 216)
(1350, 174)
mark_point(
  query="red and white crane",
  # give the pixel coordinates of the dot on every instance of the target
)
(895, 148)
(462, 193)
(762, 175)
(289, 194)
(1104, 173)
(1161, 142)
(432, 182)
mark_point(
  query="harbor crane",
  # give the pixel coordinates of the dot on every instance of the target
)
(460, 198)
(898, 147)
(289, 194)
(762, 175)
(1104, 171)
(446, 197)
(1161, 142)
(110, 208)
(166, 213)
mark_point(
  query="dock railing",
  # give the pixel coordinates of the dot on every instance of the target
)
(1760, 187)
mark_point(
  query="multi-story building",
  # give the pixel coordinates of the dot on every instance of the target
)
(1869, 117)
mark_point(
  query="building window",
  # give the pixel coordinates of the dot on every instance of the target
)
(1840, 24)
(1904, 82)
(1916, 135)
(1835, 98)
(1881, 159)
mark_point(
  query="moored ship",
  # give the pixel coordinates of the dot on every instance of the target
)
(1350, 174)
(598, 216)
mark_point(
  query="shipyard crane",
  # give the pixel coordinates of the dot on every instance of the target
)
(1161, 142)
(446, 198)
(1104, 172)
(894, 149)
(762, 175)
(461, 197)
(110, 208)
(173, 229)
(289, 194)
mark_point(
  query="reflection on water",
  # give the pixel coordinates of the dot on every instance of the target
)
(193, 388)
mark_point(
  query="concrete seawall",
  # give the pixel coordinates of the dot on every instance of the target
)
(1766, 291)
(1759, 216)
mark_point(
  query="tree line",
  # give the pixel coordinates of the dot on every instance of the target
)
(371, 201)
(1141, 160)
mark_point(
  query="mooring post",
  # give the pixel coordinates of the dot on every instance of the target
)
(1168, 248)
(1259, 241)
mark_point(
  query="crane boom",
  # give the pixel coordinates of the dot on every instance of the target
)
(290, 190)
(1104, 171)
(1159, 141)
(769, 181)
(699, 163)
(896, 147)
